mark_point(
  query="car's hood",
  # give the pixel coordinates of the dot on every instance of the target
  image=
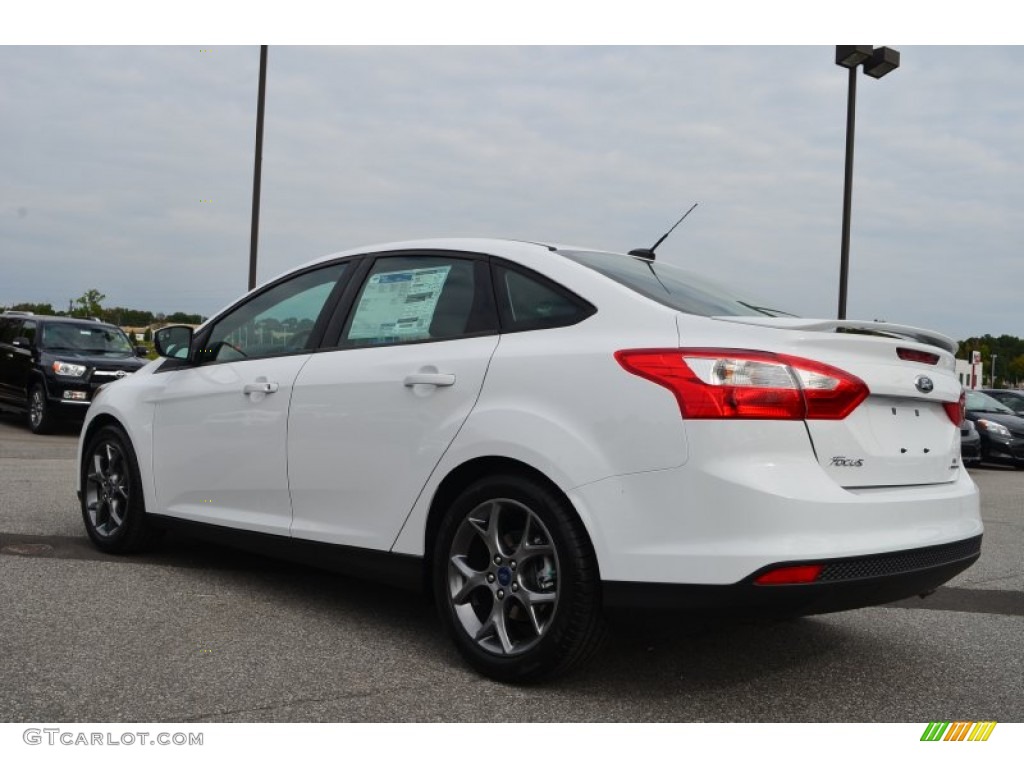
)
(120, 362)
(1014, 423)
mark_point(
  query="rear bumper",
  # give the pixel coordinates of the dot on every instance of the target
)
(843, 584)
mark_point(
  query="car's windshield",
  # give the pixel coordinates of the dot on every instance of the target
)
(978, 401)
(93, 339)
(674, 287)
(1016, 402)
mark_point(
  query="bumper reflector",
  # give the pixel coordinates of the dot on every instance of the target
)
(792, 574)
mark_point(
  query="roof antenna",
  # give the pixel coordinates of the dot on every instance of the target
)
(648, 253)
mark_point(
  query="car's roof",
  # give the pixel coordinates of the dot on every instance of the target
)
(506, 247)
(55, 318)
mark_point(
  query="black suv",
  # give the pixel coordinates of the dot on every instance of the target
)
(51, 366)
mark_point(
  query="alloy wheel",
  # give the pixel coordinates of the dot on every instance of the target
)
(36, 408)
(503, 577)
(107, 489)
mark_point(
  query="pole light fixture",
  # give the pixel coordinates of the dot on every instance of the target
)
(877, 62)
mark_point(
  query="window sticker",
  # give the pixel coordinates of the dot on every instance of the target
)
(398, 306)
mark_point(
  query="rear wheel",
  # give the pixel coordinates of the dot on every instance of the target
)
(112, 503)
(516, 580)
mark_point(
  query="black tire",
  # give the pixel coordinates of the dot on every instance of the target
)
(512, 552)
(40, 417)
(113, 507)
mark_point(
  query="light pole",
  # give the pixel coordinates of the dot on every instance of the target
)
(992, 373)
(258, 169)
(877, 62)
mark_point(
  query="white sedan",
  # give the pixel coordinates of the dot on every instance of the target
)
(535, 433)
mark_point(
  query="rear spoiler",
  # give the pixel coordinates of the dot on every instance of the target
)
(856, 326)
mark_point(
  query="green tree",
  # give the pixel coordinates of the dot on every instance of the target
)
(90, 304)
(37, 309)
(1016, 368)
(184, 317)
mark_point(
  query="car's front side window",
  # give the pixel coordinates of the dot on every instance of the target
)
(408, 299)
(278, 321)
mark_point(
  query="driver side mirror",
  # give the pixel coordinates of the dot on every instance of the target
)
(173, 341)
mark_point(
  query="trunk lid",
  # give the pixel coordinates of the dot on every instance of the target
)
(901, 434)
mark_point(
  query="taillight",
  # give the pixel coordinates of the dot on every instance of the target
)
(955, 411)
(917, 356)
(746, 384)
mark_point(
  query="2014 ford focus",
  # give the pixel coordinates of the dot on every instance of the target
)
(536, 433)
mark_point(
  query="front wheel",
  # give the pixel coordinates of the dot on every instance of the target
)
(112, 503)
(516, 580)
(40, 417)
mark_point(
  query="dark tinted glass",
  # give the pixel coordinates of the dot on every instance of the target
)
(672, 286)
(8, 328)
(529, 302)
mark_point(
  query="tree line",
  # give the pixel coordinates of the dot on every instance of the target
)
(1009, 352)
(90, 304)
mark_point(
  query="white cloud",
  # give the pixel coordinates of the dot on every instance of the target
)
(112, 150)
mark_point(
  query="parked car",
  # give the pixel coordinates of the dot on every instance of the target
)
(1001, 430)
(51, 367)
(534, 433)
(1011, 398)
(970, 444)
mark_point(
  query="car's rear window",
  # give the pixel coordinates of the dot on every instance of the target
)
(674, 287)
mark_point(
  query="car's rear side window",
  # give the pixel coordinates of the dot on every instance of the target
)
(528, 302)
(671, 286)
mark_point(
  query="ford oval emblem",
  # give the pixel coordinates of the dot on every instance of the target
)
(924, 384)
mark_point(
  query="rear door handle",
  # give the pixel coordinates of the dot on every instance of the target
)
(261, 387)
(437, 379)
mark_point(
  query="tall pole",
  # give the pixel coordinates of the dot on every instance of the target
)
(257, 172)
(844, 257)
(992, 373)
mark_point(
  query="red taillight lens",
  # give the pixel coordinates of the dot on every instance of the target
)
(791, 574)
(917, 356)
(955, 411)
(746, 384)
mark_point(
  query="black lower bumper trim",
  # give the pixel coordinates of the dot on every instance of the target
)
(851, 583)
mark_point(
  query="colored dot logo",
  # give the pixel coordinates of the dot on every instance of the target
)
(201, 200)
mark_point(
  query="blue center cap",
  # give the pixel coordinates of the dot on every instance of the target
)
(504, 576)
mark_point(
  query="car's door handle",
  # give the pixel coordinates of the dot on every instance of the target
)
(262, 387)
(437, 379)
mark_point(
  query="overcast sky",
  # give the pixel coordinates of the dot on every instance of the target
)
(129, 169)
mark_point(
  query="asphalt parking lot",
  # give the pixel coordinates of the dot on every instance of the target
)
(195, 633)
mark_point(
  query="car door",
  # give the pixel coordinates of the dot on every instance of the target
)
(8, 357)
(17, 361)
(372, 417)
(220, 424)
